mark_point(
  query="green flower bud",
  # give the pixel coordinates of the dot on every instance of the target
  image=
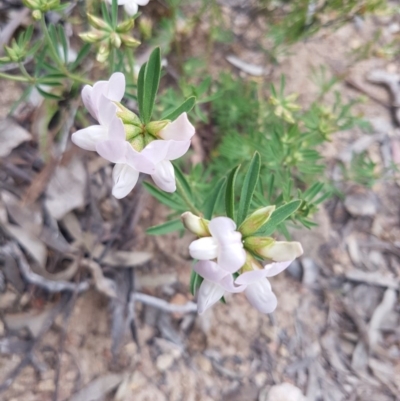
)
(127, 116)
(256, 220)
(115, 40)
(154, 127)
(126, 26)
(132, 131)
(251, 264)
(128, 41)
(195, 224)
(37, 15)
(12, 54)
(146, 27)
(138, 143)
(148, 139)
(92, 36)
(32, 4)
(103, 52)
(268, 248)
(98, 23)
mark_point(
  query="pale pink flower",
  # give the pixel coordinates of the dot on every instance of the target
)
(225, 245)
(131, 6)
(108, 138)
(257, 288)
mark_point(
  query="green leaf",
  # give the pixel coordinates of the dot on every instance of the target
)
(140, 89)
(230, 193)
(185, 107)
(195, 281)
(48, 95)
(64, 42)
(147, 90)
(212, 200)
(168, 227)
(105, 14)
(167, 199)
(278, 217)
(182, 181)
(85, 49)
(248, 187)
(114, 13)
(54, 39)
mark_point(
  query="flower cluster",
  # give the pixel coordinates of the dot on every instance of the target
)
(123, 139)
(108, 36)
(229, 263)
(131, 6)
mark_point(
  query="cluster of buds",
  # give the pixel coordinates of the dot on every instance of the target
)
(284, 107)
(40, 7)
(232, 261)
(107, 36)
(122, 138)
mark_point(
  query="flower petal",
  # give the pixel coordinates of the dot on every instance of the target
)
(87, 138)
(273, 269)
(210, 271)
(261, 296)
(282, 251)
(87, 100)
(179, 130)
(164, 177)
(106, 111)
(139, 161)
(209, 294)
(116, 87)
(131, 8)
(229, 285)
(231, 257)
(204, 249)
(142, 2)
(250, 277)
(221, 227)
(113, 151)
(176, 149)
(156, 151)
(125, 179)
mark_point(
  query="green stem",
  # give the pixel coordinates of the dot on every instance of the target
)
(57, 60)
(15, 77)
(188, 202)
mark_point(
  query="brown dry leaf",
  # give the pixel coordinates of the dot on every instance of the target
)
(30, 218)
(373, 278)
(32, 320)
(248, 68)
(66, 189)
(29, 242)
(11, 135)
(103, 284)
(98, 388)
(383, 309)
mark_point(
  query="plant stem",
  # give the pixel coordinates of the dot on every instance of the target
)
(15, 77)
(188, 202)
(57, 60)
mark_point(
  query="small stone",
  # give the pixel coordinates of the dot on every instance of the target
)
(164, 361)
(260, 379)
(361, 202)
(46, 386)
(204, 364)
(284, 392)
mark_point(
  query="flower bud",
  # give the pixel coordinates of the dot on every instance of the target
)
(37, 15)
(103, 53)
(138, 143)
(145, 27)
(251, 264)
(98, 23)
(126, 26)
(115, 40)
(132, 131)
(154, 127)
(32, 4)
(195, 224)
(92, 36)
(268, 248)
(129, 41)
(127, 116)
(256, 220)
(148, 139)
